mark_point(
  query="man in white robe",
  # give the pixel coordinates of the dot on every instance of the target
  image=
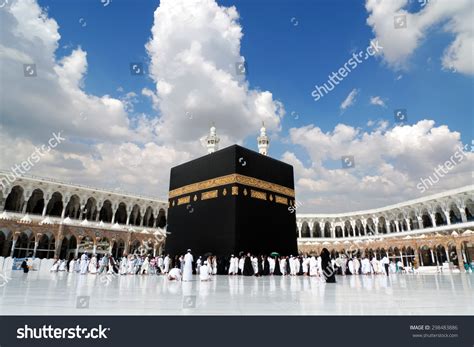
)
(233, 265)
(283, 266)
(72, 265)
(204, 274)
(161, 265)
(313, 266)
(271, 263)
(123, 265)
(93, 265)
(166, 263)
(385, 263)
(241, 265)
(366, 268)
(84, 263)
(356, 266)
(198, 266)
(188, 266)
(254, 261)
(305, 266)
(174, 274)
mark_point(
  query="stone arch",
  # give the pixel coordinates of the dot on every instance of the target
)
(148, 218)
(370, 229)
(454, 213)
(161, 219)
(46, 246)
(382, 226)
(425, 256)
(393, 227)
(90, 209)
(305, 231)
(469, 210)
(317, 232)
(440, 217)
(35, 204)
(15, 199)
(327, 229)
(102, 245)
(6, 240)
(68, 247)
(348, 228)
(135, 216)
(55, 205)
(426, 219)
(73, 207)
(25, 244)
(440, 254)
(118, 249)
(414, 225)
(121, 214)
(359, 228)
(134, 247)
(105, 214)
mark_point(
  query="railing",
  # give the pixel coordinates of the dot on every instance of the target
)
(75, 185)
(406, 233)
(80, 223)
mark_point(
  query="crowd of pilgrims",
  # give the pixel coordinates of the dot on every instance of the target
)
(183, 267)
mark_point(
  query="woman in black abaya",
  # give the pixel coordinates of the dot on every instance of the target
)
(248, 269)
(266, 266)
(277, 271)
(326, 266)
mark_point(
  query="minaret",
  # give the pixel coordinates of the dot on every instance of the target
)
(212, 140)
(263, 141)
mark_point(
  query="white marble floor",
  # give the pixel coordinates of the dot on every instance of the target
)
(39, 293)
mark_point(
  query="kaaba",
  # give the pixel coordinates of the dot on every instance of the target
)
(230, 201)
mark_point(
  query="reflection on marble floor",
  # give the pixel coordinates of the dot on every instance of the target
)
(73, 294)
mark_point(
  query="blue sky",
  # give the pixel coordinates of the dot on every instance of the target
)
(289, 47)
(285, 55)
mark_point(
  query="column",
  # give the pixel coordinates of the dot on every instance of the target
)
(364, 226)
(114, 211)
(25, 203)
(433, 219)
(129, 212)
(460, 257)
(82, 207)
(387, 226)
(446, 247)
(432, 255)
(420, 222)
(446, 214)
(463, 215)
(353, 225)
(299, 224)
(417, 257)
(333, 230)
(376, 226)
(43, 214)
(407, 220)
(34, 250)
(142, 222)
(98, 208)
(397, 227)
(13, 247)
(63, 213)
